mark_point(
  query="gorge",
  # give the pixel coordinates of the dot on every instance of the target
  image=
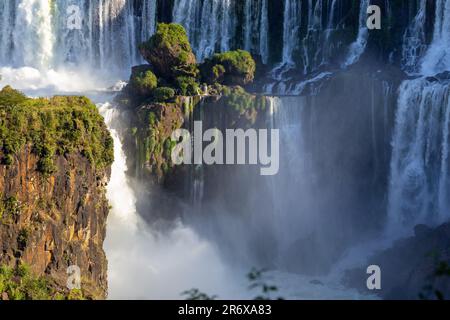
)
(363, 119)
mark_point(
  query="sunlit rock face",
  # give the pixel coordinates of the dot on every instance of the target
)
(53, 205)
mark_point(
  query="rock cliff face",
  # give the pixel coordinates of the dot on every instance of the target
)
(55, 222)
(50, 220)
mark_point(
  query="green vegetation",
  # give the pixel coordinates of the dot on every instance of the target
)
(239, 62)
(143, 81)
(170, 52)
(172, 36)
(155, 91)
(188, 86)
(230, 68)
(195, 294)
(9, 208)
(242, 101)
(20, 284)
(163, 94)
(51, 127)
(154, 145)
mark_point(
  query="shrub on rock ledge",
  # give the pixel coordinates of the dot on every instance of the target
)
(143, 81)
(169, 51)
(229, 68)
(188, 86)
(163, 94)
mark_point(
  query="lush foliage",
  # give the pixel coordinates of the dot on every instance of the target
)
(170, 52)
(172, 36)
(188, 86)
(238, 61)
(20, 284)
(9, 208)
(242, 101)
(143, 82)
(231, 68)
(162, 94)
(50, 127)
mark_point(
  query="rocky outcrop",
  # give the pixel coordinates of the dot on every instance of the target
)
(162, 95)
(413, 268)
(169, 52)
(54, 217)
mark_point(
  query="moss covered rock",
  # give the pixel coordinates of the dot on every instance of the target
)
(229, 68)
(55, 126)
(169, 52)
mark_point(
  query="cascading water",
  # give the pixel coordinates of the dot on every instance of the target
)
(256, 28)
(419, 176)
(357, 48)
(437, 58)
(69, 35)
(419, 186)
(291, 29)
(32, 36)
(212, 25)
(414, 42)
(209, 24)
(148, 19)
(144, 263)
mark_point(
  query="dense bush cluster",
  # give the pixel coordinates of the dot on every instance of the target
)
(229, 68)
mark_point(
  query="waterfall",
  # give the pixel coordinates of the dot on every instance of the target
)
(357, 48)
(291, 30)
(145, 263)
(419, 167)
(289, 188)
(74, 33)
(327, 47)
(437, 58)
(414, 42)
(32, 33)
(148, 19)
(208, 23)
(119, 191)
(419, 183)
(6, 14)
(212, 25)
(256, 28)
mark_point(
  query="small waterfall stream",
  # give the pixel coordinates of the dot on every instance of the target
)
(357, 48)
